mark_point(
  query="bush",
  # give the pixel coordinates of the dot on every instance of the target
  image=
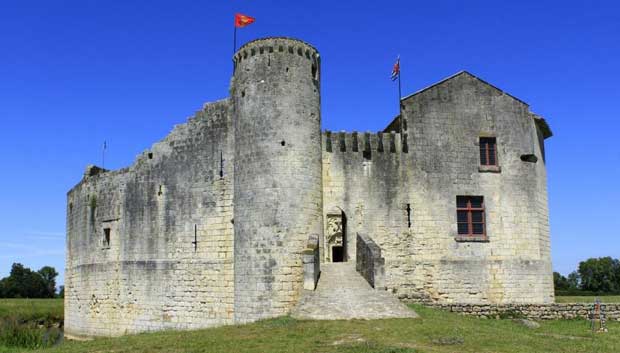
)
(14, 333)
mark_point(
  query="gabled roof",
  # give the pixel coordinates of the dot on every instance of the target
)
(457, 75)
(394, 125)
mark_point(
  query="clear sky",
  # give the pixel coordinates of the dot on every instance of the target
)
(76, 73)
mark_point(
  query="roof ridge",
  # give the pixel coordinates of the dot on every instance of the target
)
(458, 74)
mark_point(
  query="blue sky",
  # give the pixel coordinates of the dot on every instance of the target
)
(76, 73)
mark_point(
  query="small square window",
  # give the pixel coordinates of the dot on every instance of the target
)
(488, 151)
(470, 218)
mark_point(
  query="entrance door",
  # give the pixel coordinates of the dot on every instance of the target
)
(337, 254)
(336, 236)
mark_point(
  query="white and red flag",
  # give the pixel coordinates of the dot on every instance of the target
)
(396, 69)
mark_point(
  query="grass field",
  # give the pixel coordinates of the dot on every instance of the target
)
(587, 299)
(434, 331)
(30, 323)
(32, 309)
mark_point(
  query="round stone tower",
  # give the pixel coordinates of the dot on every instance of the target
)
(275, 92)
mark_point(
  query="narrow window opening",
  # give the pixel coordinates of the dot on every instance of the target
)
(287, 69)
(280, 48)
(488, 151)
(408, 215)
(160, 192)
(283, 143)
(221, 164)
(243, 93)
(195, 242)
(106, 237)
(367, 155)
(150, 155)
(314, 72)
(70, 207)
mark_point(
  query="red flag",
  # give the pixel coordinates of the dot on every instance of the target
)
(243, 20)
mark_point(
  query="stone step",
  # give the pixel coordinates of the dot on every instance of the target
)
(343, 294)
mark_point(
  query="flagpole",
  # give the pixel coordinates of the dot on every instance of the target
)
(400, 110)
(235, 41)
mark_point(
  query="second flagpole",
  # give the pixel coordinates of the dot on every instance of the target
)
(400, 108)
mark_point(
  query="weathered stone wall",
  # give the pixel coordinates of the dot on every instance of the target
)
(363, 175)
(311, 262)
(407, 199)
(151, 276)
(276, 100)
(369, 262)
(533, 311)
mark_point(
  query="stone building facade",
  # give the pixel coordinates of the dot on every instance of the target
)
(208, 226)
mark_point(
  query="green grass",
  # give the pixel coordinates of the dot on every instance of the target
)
(434, 331)
(29, 323)
(32, 309)
(587, 299)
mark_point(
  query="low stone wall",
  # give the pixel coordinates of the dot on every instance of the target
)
(311, 262)
(532, 311)
(369, 262)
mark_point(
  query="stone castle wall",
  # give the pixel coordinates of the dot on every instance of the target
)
(278, 203)
(151, 276)
(210, 225)
(566, 311)
(406, 200)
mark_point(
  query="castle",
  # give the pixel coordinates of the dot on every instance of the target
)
(230, 217)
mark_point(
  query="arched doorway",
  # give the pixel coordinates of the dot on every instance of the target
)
(336, 236)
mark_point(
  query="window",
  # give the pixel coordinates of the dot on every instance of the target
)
(106, 238)
(470, 216)
(488, 151)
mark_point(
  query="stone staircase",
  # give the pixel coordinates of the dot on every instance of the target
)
(343, 294)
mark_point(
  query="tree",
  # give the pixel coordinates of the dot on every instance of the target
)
(573, 280)
(560, 282)
(61, 292)
(600, 275)
(49, 277)
(22, 282)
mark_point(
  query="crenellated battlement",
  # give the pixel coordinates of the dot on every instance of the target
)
(281, 45)
(364, 142)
